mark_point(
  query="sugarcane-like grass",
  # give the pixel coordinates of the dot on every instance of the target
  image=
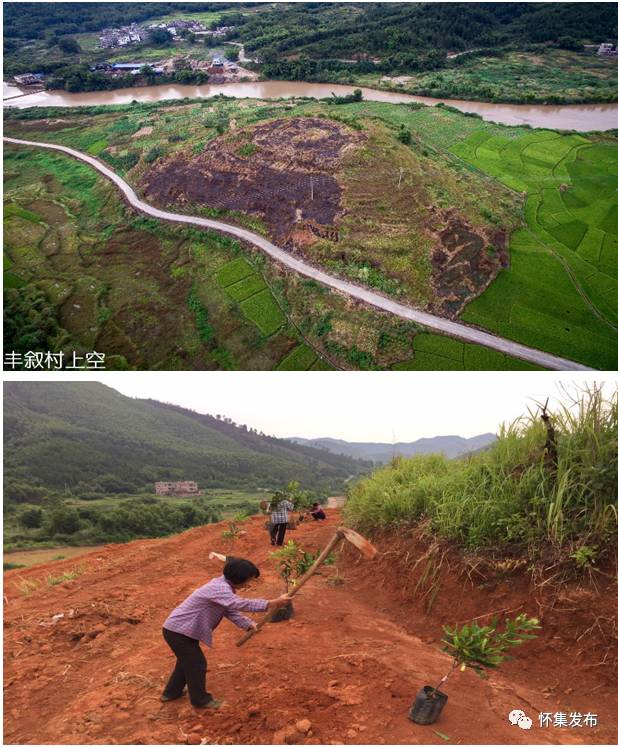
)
(510, 497)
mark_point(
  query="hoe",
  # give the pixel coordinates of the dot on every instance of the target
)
(367, 549)
(342, 533)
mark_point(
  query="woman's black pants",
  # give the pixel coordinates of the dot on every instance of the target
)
(190, 669)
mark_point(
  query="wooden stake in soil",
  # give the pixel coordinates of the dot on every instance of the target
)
(368, 550)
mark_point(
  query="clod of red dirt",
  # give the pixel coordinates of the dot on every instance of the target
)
(281, 171)
(253, 711)
(194, 738)
(303, 726)
(287, 735)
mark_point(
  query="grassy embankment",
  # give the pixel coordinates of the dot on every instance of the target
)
(508, 499)
(482, 169)
(554, 76)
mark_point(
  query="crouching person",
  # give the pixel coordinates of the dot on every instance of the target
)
(195, 620)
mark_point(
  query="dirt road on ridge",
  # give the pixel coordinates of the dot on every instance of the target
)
(445, 326)
(96, 674)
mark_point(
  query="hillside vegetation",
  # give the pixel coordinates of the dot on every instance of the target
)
(515, 496)
(520, 52)
(85, 437)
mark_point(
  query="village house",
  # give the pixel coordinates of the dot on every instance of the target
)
(607, 50)
(181, 488)
(28, 79)
(134, 68)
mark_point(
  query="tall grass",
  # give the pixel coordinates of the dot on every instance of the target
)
(508, 496)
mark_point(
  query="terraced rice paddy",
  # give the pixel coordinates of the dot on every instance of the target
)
(438, 353)
(248, 288)
(561, 290)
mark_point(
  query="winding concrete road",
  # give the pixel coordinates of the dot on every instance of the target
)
(444, 326)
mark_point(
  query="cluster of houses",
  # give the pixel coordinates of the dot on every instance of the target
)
(122, 37)
(125, 36)
(218, 69)
(177, 27)
(218, 32)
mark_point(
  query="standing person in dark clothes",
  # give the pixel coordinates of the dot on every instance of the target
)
(195, 620)
(279, 521)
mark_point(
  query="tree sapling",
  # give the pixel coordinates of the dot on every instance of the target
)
(475, 646)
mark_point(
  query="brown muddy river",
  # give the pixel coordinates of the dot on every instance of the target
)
(580, 117)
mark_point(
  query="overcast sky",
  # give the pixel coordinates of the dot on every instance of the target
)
(359, 406)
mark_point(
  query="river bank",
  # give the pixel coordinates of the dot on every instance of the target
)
(578, 117)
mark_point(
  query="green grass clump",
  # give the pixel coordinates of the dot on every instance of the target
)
(264, 312)
(508, 497)
(301, 358)
(234, 271)
(247, 150)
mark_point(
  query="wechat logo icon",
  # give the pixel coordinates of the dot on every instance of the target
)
(519, 718)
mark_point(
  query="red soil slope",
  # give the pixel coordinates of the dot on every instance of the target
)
(349, 663)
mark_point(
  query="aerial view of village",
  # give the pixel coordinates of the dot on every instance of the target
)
(314, 187)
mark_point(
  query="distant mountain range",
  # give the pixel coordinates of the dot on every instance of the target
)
(85, 436)
(450, 446)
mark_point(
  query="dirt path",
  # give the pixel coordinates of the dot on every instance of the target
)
(444, 326)
(347, 666)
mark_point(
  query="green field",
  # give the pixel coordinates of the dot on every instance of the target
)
(301, 358)
(263, 310)
(438, 353)
(561, 291)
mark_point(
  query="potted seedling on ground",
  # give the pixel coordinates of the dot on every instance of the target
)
(477, 647)
(293, 562)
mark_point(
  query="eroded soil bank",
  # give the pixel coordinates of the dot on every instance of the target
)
(350, 662)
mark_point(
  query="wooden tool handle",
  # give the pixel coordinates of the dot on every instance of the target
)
(271, 613)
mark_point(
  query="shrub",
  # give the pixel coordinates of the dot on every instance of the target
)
(31, 518)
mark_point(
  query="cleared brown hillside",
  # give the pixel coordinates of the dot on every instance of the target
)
(350, 662)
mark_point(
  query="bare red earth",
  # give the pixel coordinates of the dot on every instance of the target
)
(350, 663)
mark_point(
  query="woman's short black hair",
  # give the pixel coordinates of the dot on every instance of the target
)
(239, 570)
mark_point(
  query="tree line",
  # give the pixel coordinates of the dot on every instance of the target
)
(61, 523)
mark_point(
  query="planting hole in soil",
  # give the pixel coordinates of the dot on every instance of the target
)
(284, 613)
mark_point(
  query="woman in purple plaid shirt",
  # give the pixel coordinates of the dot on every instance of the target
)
(195, 620)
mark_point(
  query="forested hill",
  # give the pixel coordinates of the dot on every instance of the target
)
(38, 20)
(87, 437)
(339, 30)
